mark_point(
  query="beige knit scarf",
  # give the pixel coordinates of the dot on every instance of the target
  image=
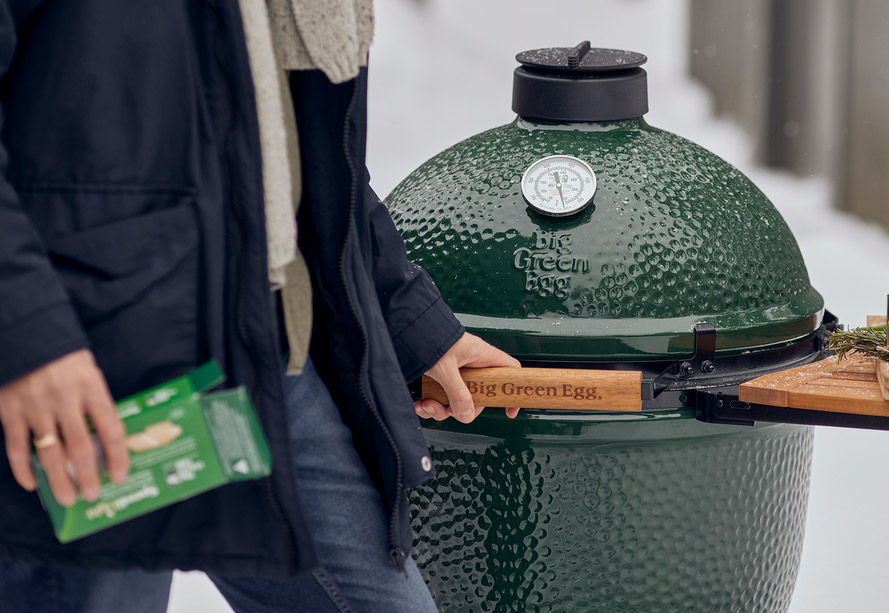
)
(330, 35)
(333, 36)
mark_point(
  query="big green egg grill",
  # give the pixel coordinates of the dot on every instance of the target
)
(674, 264)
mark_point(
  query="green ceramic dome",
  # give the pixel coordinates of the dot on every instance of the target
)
(675, 235)
(596, 511)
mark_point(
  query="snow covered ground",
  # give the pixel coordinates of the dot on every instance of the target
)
(442, 71)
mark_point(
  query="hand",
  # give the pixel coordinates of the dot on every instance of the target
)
(469, 351)
(51, 404)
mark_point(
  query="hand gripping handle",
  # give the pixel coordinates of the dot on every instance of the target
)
(547, 388)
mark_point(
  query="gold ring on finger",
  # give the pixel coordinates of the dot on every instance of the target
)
(47, 440)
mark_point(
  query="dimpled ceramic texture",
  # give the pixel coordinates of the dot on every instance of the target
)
(598, 512)
(602, 516)
(674, 236)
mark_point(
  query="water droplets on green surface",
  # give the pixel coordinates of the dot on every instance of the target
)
(671, 229)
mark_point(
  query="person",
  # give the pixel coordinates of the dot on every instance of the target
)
(146, 225)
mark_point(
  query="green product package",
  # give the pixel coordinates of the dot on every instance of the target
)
(182, 441)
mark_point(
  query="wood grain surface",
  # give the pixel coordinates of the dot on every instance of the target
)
(548, 388)
(881, 367)
(851, 386)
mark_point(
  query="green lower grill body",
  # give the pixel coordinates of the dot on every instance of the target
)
(612, 513)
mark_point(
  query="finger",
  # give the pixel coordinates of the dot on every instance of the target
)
(18, 450)
(81, 452)
(476, 412)
(459, 398)
(429, 408)
(504, 359)
(109, 427)
(423, 411)
(512, 412)
(52, 459)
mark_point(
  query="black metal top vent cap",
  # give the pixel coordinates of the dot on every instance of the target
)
(580, 84)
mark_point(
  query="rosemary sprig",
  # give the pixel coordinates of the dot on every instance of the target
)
(872, 342)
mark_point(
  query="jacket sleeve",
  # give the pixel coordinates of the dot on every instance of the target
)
(37, 321)
(421, 325)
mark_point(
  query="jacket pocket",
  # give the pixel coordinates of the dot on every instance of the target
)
(134, 284)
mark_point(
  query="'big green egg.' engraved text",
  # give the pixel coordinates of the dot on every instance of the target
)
(549, 265)
(564, 390)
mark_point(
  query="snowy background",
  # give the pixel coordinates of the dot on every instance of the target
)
(441, 71)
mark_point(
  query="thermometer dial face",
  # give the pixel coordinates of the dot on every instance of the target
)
(559, 185)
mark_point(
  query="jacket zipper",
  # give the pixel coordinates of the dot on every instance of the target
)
(242, 268)
(395, 551)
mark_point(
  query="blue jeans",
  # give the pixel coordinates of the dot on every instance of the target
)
(347, 516)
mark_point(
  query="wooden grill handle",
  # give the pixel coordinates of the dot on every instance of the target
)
(547, 388)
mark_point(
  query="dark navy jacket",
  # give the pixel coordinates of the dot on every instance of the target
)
(131, 222)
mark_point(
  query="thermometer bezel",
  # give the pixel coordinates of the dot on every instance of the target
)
(526, 193)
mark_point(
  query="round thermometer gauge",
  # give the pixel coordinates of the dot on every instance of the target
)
(559, 185)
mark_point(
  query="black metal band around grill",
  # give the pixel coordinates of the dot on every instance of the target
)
(708, 382)
(671, 384)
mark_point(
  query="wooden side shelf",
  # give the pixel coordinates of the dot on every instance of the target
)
(850, 386)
